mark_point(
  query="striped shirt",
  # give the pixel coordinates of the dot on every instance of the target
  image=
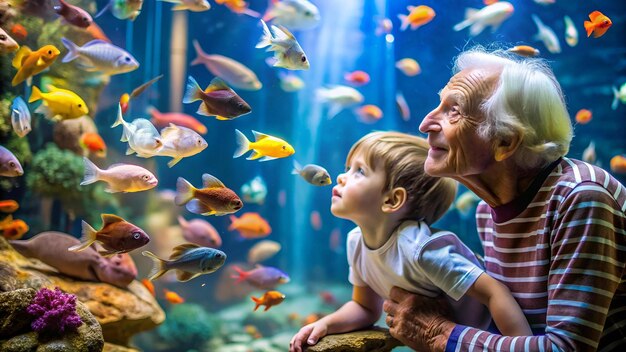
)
(561, 250)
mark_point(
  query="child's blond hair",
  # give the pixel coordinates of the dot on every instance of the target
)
(402, 157)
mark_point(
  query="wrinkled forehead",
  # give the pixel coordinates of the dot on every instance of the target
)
(471, 87)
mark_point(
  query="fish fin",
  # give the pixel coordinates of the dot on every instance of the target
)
(91, 172)
(600, 32)
(73, 50)
(193, 91)
(203, 110)
(197, 207)
(159, 268)
(222, 118)
(104, 9)
(282, 33)
(476, 29)
(267, 158)
(7, 220)
(257, 301)
(174, 161)
(29, 81)
(241, 275)
(40, 62)
(108, 219)
(184, 276)
(184, 191)
(211, 212)
(88, 238)
(47, 113)
(297, 168)
(120, 117)
(210, 181)
(258, 136)
(615, 103)
(130, 151)
(233, 220)
(35, 95)
(404, 19)
(255, 155)
(217, 84)
(589, 27)
(271, 61)
(333, 110)
(180, 250)
(266, 38)
(21, 56)
(180, 7)
(199, 53)
(109, 254)
(243, 144)
(594, 15)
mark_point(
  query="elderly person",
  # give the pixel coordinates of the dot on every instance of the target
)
(553, 229)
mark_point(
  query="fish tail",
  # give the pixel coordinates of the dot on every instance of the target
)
(241, 275)
(193, 91)
(266, 38)
(233, 218)
(73, 50)
(243, 144)
(297, 168)
(120, 117)
(159, 268)
(257, 301)
(104, 9)
(405, 22)
(89, 237)
(35, 95)
(92, 173)
(199, 53)
(589, 27)
(615, 98)
(184, 191)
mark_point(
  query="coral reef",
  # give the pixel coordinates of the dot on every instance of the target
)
(187, 327)
(55, 311)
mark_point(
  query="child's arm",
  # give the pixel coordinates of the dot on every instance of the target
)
(363, 310)
(504, 310)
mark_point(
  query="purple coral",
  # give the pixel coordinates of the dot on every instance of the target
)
(55, 311)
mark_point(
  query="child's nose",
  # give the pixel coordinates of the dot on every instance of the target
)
(340, 178)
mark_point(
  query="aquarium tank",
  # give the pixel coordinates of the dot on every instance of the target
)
(196, 143)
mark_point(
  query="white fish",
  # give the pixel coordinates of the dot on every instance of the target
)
(619, 95)
(294, 14)
(120, 177)
(339, 97)
(7, 44)
(589, 154)
(547, 36)
(263, 250)
(141, 135)
(287, 52)
(9, 165)
(20, 117)
(180, 142)
(254, 191)
(233, 72)
(100, 56)
(571, 34)
(290, 82)
(492, 15)
(191, 5)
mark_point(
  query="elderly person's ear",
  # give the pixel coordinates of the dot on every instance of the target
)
(506, 147)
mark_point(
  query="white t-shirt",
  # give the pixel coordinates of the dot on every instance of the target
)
(421, 262)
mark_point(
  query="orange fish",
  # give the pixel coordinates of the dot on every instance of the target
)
(19, 31)
(250, 225)
(92, 142)
(583, 116)
(238, 6)
(418, 16)
(149, 285)
(214, 198)
(163, 119)
(173, 297)
(618, 164)
(489, 2)
(524, 50)
(312, 318)
(252, 331)
(29, 63)
(357, 78)
(269, 299)
(8, 206)
(13, 229)
(369, 113)
(598, 25)
(316, 220)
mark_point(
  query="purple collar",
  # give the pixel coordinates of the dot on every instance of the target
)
(510, 210)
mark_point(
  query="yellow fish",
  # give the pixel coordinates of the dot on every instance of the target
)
(264, 146)
(59, 104)
(29, 63)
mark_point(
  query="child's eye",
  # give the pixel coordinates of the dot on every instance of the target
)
(361, 171)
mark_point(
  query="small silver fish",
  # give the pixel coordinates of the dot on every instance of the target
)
(191, 5)
(9, 165)
(120, 177)
(20, 117)
(295, 14)
(141, 135)
(180, 142)
(287, 51)
(313, 174)
(189, 260)
(100, 56)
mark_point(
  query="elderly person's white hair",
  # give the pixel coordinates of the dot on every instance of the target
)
(527, 101)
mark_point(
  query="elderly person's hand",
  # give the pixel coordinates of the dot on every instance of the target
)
(420, 322)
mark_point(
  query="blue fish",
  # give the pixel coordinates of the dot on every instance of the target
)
(20, 117)
(189, 260)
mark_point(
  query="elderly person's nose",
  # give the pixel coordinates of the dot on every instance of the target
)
(430, 123)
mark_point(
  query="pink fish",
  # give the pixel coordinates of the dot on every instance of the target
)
(261, 277)
(200, 232)
(163, 119)
(73, 14)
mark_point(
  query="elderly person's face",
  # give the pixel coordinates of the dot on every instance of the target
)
(452, 127)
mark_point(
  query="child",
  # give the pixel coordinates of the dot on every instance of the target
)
(387, 194)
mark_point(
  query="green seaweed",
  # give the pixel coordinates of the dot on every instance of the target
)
(188, 326)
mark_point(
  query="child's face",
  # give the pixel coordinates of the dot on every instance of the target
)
(358, 195)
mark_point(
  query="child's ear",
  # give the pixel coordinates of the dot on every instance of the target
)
(394, 200)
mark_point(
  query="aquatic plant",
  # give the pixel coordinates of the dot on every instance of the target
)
(55, 311)
(188, 326)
